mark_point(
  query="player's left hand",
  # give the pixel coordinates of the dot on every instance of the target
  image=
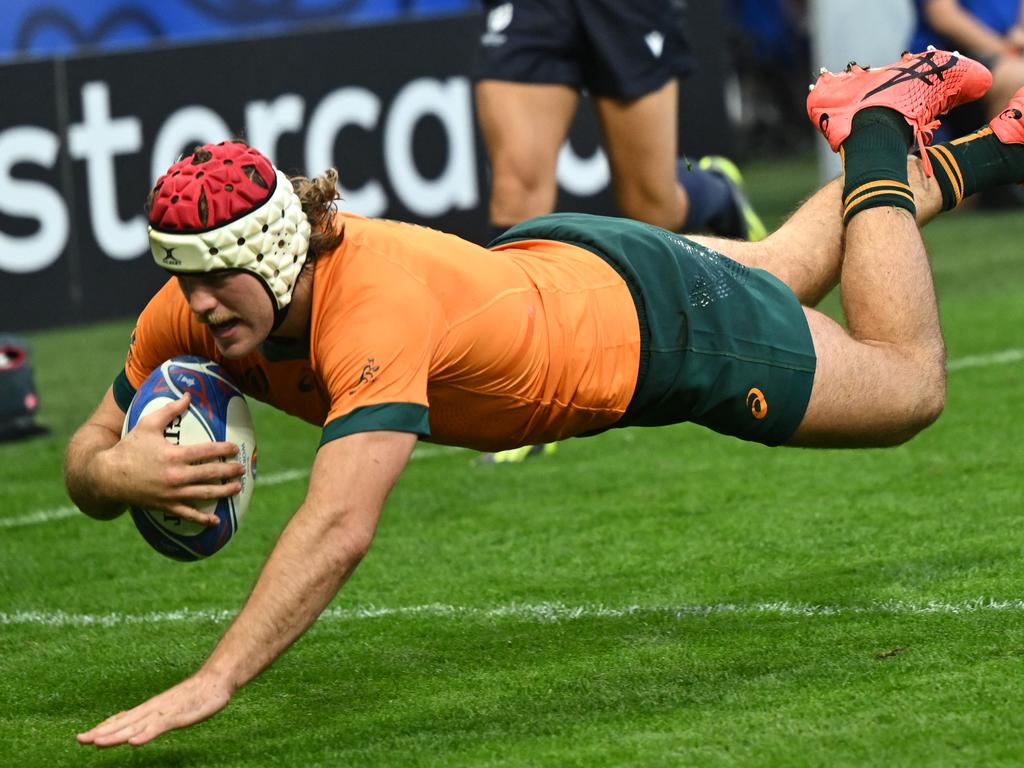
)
(187, 703)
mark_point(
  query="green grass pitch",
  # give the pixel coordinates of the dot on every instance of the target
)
(644, 598)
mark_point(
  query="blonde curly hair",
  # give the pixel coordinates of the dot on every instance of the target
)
(319, 196)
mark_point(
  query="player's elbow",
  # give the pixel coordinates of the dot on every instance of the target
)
(346, 542)
(923, 408)
(82, 492)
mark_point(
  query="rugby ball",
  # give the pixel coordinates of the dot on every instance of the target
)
(217, 412)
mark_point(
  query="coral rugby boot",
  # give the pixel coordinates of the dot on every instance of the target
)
(920, 86)
(1008, 125)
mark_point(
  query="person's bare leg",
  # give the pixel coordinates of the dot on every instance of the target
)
(523, 126)
(806, 251)
(1007, 77)
(882, 380)
(641, 138)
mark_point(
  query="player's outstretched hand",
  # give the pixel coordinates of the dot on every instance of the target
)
(189, 702)
(153, 473)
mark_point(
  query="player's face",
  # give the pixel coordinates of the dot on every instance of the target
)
(234, 306)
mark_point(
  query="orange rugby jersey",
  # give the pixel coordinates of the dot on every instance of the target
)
(416, 330)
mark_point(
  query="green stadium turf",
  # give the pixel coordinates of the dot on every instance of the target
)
(644, 598)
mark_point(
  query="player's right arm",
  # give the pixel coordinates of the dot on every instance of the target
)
(104, 473)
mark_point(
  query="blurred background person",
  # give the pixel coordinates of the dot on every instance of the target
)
(987, 30)
(536, 57)
(768, 46)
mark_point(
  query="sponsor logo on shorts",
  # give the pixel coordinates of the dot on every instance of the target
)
(656, 42)
(497, 22)
(757, 404)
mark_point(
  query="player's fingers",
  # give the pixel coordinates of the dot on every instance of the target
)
(112, 721)
(148, 733)
(199, 492)
(193, 514)
(201, 452)
(105, 732)
(212, 473)
(165, 414)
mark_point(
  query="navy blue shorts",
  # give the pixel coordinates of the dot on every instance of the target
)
(617, 48)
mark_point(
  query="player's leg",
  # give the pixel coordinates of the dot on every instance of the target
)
(523, 126)
(1007, 78)
(882, 379)
(640, 137)
(806, 251)
(651, 184)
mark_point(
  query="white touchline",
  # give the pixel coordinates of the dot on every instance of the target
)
(273, 478)
(1004, 357)
(542, 612)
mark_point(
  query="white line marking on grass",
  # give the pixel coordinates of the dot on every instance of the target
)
(984, 361)
(273, 478)
(42, 516)
(543, 612)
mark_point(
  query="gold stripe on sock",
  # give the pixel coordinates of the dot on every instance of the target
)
(876, 184)
(952, 169)
(894, 186)
(854, 203)
(979, 134)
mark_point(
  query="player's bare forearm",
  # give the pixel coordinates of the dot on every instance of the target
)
(315, 555)
(950, 19)
(318, 550)
(86, 472)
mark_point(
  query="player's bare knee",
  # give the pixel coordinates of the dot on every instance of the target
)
(650, 205)
(928, 395)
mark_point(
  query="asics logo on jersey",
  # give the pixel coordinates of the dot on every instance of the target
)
(923, 68)
(169, 257)
(757, 404)
(367, 374)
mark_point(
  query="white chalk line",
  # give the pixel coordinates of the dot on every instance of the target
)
(1004, 357)
(273, 478)
(984, 361)
(539, 612)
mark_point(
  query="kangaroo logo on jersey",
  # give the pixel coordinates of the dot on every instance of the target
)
(367, 374)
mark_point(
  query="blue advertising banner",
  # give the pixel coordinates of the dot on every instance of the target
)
(39, 28)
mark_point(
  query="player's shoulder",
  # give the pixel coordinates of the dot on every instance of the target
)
(168, 304)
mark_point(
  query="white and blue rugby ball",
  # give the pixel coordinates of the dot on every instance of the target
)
(217, 412)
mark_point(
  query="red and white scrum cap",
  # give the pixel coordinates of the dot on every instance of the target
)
(225, 206)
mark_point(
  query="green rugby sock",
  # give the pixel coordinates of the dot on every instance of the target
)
(974, 163)
(875, 163)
